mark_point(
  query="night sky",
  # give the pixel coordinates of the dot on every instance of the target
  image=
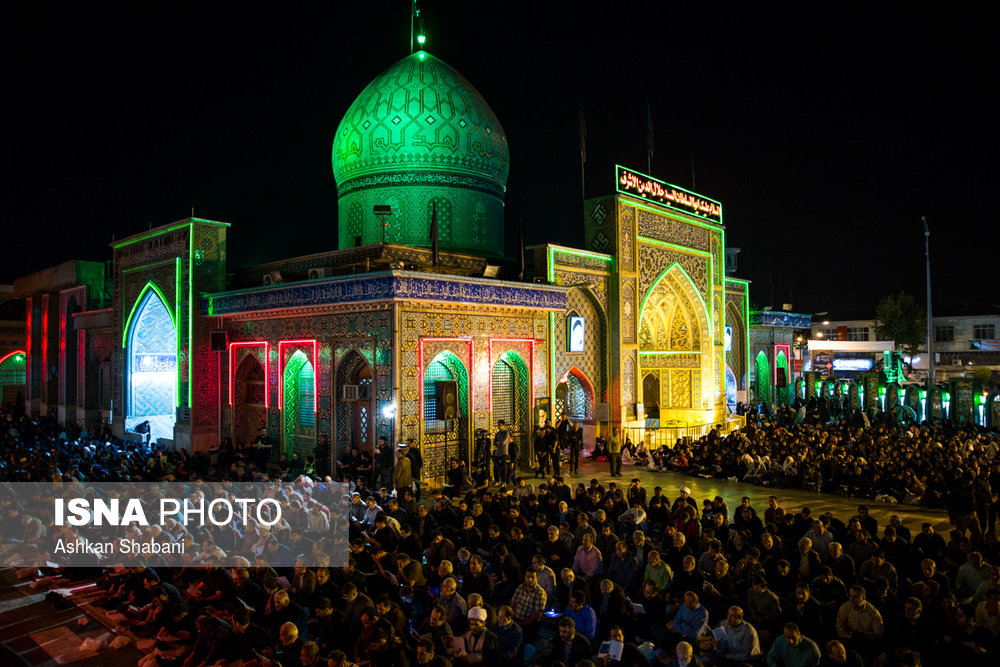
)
(826, 134)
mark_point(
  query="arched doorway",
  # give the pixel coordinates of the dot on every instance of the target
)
(762, 378)
(250, 399)
(651, 395)
(299, 406)
(993, 409)
(13, 369)
(355, 410)
(575, 397)
(911, 399)
(445, 439)
(781, 368)
(731, 388)
(509, 398)
(854, 398)
(151, 365)
(674, 341)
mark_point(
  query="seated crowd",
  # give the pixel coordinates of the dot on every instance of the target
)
(554, 575)
(873, 457)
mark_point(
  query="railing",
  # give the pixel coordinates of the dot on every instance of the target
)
(657, 436)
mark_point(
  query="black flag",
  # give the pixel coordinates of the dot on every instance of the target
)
(520, 232)
(434, 232)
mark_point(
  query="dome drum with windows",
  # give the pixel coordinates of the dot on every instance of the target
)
(421, 140)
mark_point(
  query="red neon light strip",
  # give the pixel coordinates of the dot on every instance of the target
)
(80, 367)
(788, 353)
(267, 368)
(27, 351)
(472, 373)
(45, 337)
(8, 356)
(281, 369)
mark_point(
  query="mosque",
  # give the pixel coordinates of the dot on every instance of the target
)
(404, 330)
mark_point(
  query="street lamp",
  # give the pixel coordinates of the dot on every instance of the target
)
(389, 412)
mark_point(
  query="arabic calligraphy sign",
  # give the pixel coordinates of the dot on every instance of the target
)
(634, 184)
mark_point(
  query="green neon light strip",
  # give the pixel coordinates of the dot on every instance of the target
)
(738, 281)
(177, 318)
(746, 325)
(135, 306)
(172, 228)
(552, 361)
(190, 306)
(672, 246)
(552, 250)
(638, 203)
(711, 320)
(583, 253)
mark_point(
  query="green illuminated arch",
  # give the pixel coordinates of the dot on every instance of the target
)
(763, 377)
(686, 282)
(781, 393)
(299, 417)
(135, 307)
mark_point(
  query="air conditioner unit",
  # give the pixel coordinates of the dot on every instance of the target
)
(350, 392)
(319, 273)
(272, 277)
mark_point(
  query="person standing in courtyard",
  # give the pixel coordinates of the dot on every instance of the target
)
(501, 441)
(615, 453)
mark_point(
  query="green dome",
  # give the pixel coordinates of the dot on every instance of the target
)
(420, 138)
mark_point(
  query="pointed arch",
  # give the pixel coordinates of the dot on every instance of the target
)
(143, 294)
(781, 393)
(355, 418)
(509, 398)
(445, 439)
(151, 364)
(686, 283)
(731, 387)
(577, 395)
(13, 374)
(250, 397)
(762, 377)
(298, 407)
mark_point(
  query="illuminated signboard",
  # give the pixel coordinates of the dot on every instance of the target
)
(576, 327)
(634, 184)
(852, 364)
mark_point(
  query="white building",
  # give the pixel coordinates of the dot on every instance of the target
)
(962, 343)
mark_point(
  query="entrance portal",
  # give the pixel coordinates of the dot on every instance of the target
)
(510, 399)
(299, 406)
(151, 366)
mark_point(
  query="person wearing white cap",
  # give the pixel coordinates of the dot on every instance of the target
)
(685, 497)
(477, 645)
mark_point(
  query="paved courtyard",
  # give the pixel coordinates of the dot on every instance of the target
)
(791, 499)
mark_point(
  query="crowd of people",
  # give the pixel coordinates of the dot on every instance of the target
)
(876, 457)
(500, 569)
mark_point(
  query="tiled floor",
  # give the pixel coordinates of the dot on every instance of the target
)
(791, 499)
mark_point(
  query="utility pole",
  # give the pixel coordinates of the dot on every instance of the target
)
(930, 314)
